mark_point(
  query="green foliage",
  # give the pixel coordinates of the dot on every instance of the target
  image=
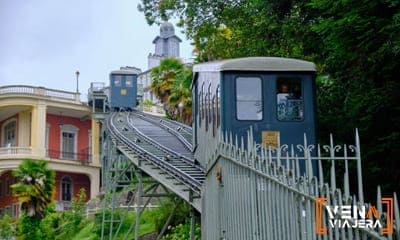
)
(148, 102)
(73, 221)
(28, 228)
(6, 228)
(87, 233)
(182, 232)
(171, 84)
(34, 188)
(54, 225)
(355, 44)
(361, 43)
(162, 213)
(128, 218)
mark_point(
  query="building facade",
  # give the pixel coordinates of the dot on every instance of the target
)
(165, 45)
(52, 125)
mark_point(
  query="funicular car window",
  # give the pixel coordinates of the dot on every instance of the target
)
(129, 81)
(289, 99)
(249, 98)
(117, 81)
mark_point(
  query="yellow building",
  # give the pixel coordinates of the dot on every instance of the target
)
(52, 125)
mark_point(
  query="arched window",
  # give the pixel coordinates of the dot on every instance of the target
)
(9, 138)
(66, 188)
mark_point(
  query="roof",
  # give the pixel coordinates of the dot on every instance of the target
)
(256, 64)
(126, 72)
(166, 37)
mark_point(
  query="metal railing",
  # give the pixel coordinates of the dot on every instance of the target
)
(83, 156)
(257, 193)
(39, 91)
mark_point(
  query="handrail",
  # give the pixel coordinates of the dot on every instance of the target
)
(39, 91)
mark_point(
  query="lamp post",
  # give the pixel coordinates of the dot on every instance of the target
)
(77, 77)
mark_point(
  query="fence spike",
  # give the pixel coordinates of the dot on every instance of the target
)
(396, 216)
(359, 171)
(332, 153)
(346, 175)
(321, 173)
(379, 203)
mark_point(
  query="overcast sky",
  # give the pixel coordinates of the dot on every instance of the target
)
(44, 42)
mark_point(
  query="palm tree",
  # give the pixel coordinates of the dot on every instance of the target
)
(164, 81)
(181, 96)
(34, 188)
(163, 76)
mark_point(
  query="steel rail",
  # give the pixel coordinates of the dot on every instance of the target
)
(171, 169)
(172, 127)
(180, 127)
(181, 157)
(174, 171)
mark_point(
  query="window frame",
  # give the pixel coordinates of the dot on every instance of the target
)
(130, 80)
(68, 128)
(3, 132)
(261, 100)
(293, 76)
(71, 190)
(115, 80)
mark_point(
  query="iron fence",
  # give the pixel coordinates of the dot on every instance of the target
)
(82, 156)
(256, 193)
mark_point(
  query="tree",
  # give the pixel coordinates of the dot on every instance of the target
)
(355, 44)
(6, 227)
(181, 95)
(227, 29)
(171, 84)
(34, 188)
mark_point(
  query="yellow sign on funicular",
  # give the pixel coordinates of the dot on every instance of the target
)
(270, 139)
(123, 91)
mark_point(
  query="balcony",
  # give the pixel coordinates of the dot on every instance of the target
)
(15, 151)
(27, 152)
(82, 157)
(39, 91)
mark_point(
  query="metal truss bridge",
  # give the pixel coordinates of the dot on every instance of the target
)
(248, 192)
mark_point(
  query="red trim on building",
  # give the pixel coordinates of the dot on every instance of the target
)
(78, 181)
(55, 121)
(6, 199)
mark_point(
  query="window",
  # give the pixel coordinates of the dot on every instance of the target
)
(69, 134)
(249, 98)
(68, 142)
(9, 134)
(129, 81)
(47, 135)
(66, 188)
(289, 99)
(117, 81)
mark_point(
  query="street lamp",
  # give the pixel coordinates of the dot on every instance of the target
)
(77, 77)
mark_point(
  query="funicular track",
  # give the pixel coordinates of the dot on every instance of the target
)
(181, 131)
(160, 151)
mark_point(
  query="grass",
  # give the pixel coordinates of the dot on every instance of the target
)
(92, 231)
